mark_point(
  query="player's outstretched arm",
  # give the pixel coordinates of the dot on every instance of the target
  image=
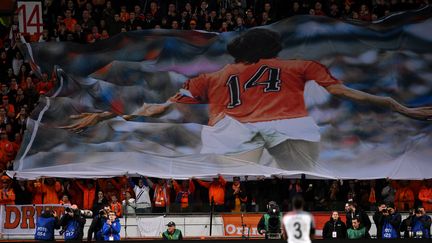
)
(419, 113)
(85, 120)
(149, 110)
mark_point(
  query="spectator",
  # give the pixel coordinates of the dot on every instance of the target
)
(22, 194)
(161, 196)
(5, 65)
(184, 194)
(109, 187)
(404, 198)
(364, 13)
(142, 200)
(388, 192)
(154, 11)
(7, 192)
(192, 24)
(239, 25)
(133, 23)
(334, 195)
(172, 233)
(88, 193)
(50, 188)
(216, 192)
(44, 84)
(318, 9)
(17, 62)
(425, 195)
(357, 231)
(111, 228)
(129, 204)
(86, 22)
(69, 21)
(46, 223)
(236, 196)
(265, 20)
(334, 228)
(116, 206)
(73, 191)
(99, 202)
(65, 201)
(250, 19)
(35, 187)
(150, 22)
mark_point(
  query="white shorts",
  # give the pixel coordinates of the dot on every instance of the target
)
(229, 136)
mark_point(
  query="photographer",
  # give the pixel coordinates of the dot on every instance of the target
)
(421, 224)
(352, 211)
(97, 223)
(387, 221)
(72, 223)
(45, 225)
(111, 228)
(406, 225)
(271, 222)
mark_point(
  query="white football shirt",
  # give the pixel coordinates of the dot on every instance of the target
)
(298, 226)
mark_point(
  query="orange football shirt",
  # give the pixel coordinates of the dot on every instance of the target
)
(270, 89)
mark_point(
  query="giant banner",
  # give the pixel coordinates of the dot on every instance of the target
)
(109, 115)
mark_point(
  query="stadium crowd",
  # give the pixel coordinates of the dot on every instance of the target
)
(152, 195)
(86, 21)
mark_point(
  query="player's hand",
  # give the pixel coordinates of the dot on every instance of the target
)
(84, 120)
(148, 110)
(419, 113)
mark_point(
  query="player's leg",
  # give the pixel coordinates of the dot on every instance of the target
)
(252, 156)
(231, 138)
(293, 143)
(296, 155)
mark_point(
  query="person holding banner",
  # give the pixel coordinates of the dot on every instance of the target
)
(258, 103)
(46, 223)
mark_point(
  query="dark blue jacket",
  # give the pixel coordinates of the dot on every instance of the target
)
(45, 228)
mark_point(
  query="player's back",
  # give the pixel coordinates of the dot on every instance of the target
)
(298, 226)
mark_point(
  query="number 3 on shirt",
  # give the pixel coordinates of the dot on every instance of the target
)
(272, 84)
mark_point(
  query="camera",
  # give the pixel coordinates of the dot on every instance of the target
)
(78, 212)
(274, 221)
(103, 212)
(273, 208)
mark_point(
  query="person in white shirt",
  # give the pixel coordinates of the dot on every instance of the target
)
(142, 196)
(298, 225)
